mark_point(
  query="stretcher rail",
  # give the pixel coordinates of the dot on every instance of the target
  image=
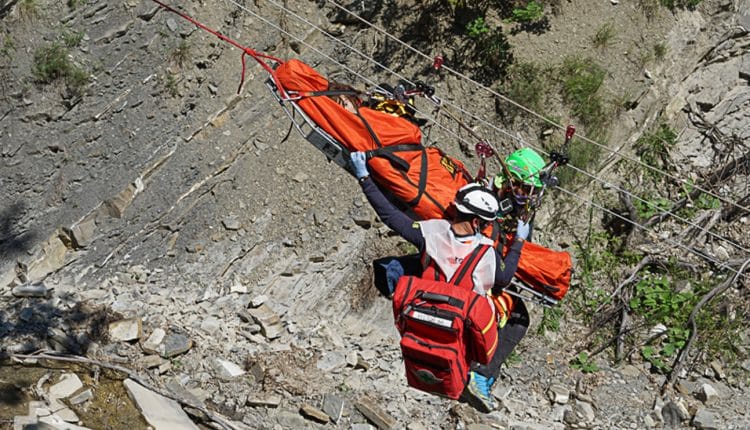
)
(330, 147)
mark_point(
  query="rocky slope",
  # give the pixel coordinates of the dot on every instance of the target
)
(158, 221)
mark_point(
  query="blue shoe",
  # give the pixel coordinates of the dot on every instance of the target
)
(479, 392)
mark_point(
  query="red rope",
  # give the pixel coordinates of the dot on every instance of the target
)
(259, 57)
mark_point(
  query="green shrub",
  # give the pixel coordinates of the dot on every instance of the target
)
(71, 39)
(604, 36)
(656, 301)
(494, 54)
(533, 12)
(660, 50)
(526, 84)
(649, 7)
(652, 148)
(181, 54)
(73, 4)
(52, 63)
(680, 4)
(581, 80)
(514, 358)
(550, 320)
(171, 85)
(8, 47)
(28, 9)
(584, 363)
(651, 206)
(477, 28)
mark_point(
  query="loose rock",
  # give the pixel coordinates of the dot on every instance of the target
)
(126, 330)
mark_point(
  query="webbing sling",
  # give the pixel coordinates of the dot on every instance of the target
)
(388, 152)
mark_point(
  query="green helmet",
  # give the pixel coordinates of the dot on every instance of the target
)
(525, 164)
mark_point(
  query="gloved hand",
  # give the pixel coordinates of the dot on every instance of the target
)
(359, 164)
(522, 230)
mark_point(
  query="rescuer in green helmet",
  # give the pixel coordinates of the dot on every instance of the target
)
(520, 195)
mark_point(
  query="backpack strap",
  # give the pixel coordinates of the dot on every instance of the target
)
(429, 266)
(468, 264)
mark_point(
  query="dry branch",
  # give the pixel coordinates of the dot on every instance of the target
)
(680, 361)
(633, 275)
(714, 178)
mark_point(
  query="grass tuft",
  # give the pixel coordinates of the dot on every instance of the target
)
(604, 36)
(581, 79)
(52, 63)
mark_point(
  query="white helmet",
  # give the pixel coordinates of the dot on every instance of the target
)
(474, 199)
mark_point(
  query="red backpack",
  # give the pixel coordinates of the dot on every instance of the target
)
(443, 327)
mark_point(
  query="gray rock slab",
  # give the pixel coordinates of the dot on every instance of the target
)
(151, 361)
(362, 426)
(558, 394)
(231, 223)
(211, 325)
(126, 330)
(151, 345)
(333, 406)
(291, 420)
(674, 413)
(68, 385)
(707, 394)
(50, 259)
(268, 320)
(704, 420)
(21, 422)
(176, 344)
(258, 300)
(587, 411)
(35, 289)
(54, 422)
(82, 397)
(370, 409)
(718, 370)
(331, 361)
(311, 412)
(226, 370)
(82, 234)
(160, 412)
(270, 401)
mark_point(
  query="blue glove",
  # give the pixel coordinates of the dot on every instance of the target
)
(522, 230)
(359, 164)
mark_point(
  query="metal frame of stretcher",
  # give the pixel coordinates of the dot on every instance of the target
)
(337, 153)
(330, 147)
(521, 290)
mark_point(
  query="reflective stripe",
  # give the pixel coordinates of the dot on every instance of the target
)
(489, 325)
(494, 345)
(433, 319)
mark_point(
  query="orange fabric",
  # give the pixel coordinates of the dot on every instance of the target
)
(444, 174)
(504, 305)
(444, 177)
(341, 124)
(545, 270)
